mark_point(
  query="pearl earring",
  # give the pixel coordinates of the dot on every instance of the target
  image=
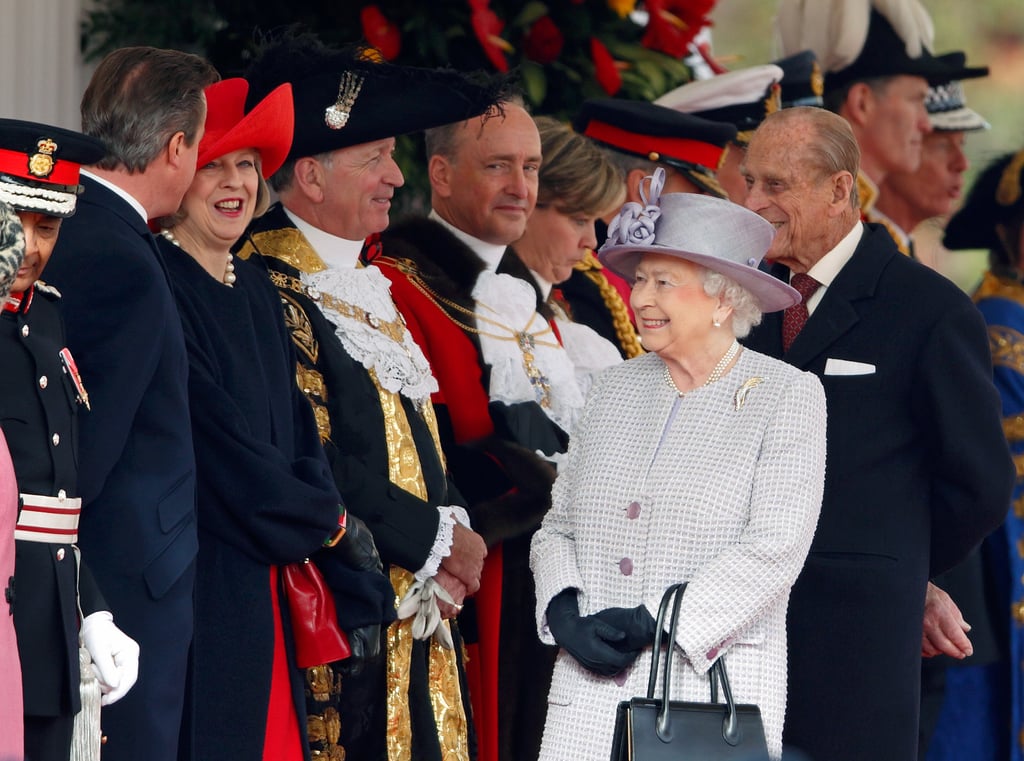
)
(716, 323)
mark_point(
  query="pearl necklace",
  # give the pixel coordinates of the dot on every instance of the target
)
(229, 269)
(716, 373)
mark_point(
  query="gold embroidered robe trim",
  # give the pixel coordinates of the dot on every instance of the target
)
(1007, 347)
(993, 286)
(1013, 428)
(1018, 463)
(405, 471)
(287, 244)
(1018, 507)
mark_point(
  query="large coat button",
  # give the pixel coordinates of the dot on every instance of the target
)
(60, 554)
(42, 381)
(626, 566)
(24, 331)
(56, 439)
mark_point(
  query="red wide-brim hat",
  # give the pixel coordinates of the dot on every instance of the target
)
(267, 128)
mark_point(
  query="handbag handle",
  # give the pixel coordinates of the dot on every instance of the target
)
(663, 727)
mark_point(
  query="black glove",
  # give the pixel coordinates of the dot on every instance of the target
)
(591, 641)
(356, 547)
(365, 644)
(636, 623)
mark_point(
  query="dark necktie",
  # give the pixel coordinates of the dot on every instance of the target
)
(794, 317)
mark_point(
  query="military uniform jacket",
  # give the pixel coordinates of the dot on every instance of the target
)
(38, 410)
(918, 472)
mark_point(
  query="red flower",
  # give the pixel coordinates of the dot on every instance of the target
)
(487, 27)
(605, 69)
(380, 32)
(673, 24)
(543, 43)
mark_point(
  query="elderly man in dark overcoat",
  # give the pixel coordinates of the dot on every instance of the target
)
(918, 470)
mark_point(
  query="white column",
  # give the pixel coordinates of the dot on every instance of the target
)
(42, 75)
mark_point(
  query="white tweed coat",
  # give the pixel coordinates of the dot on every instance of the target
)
(728, 483)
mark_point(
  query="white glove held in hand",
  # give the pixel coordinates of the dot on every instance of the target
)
(115, 655)
(420, 603)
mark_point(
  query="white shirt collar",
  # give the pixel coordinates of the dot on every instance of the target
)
(490, 253)
(544, 286)
(128, 197)
(336, 253)
(827, 267)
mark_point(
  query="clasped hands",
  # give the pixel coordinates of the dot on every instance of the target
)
(605, 642)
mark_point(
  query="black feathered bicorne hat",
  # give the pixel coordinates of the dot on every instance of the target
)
(996, 198)
(347, 96)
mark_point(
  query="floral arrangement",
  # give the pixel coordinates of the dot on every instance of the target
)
(564, 50)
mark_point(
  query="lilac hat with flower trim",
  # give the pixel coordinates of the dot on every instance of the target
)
(711, 232)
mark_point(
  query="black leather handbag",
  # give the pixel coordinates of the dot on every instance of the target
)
(661, 729)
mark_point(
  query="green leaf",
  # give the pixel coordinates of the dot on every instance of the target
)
(530, 13)
(653, 73)
(535, 82)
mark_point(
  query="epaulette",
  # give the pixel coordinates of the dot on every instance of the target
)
(47, 289)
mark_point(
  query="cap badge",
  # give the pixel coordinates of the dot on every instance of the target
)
(773, 102)
(337, 116)
(41, 164)
(817, 80)
(1009, 190)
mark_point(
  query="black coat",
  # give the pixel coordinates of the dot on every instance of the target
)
(266, 498)
(37, 404)
(353, 426)
(137, 469)
(918, 472)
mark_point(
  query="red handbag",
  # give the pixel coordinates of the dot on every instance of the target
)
(318, 637)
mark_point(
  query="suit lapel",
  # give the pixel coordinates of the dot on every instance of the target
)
(839, 309)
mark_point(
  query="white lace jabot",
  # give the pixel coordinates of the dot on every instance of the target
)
(400, 365)
(511, 303)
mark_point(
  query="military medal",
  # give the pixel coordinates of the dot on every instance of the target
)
(72, 369)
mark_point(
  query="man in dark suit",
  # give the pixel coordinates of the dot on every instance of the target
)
(137, 469)
(918, 469)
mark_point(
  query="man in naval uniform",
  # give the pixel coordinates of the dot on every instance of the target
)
(41, 394)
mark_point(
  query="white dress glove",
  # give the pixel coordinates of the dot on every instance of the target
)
(115, 655)
(420, 604)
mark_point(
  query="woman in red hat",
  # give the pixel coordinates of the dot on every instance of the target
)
(266, 496)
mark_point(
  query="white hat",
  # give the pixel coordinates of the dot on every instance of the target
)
(948, 111)
(712, 232)
(741, 94)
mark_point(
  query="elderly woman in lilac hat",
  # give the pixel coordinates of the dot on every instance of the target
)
(699, 461)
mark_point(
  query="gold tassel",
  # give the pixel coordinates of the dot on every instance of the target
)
(87, 737)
